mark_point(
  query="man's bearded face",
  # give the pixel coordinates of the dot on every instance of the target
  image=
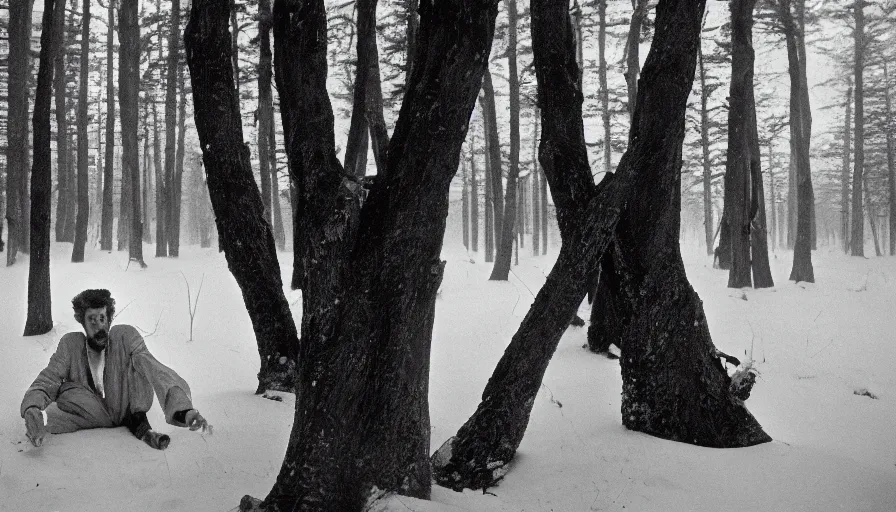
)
(96, 326)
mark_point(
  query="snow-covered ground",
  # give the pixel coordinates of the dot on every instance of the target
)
(815, 347)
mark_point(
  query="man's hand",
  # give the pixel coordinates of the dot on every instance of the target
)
(34, 425)
(195, 421)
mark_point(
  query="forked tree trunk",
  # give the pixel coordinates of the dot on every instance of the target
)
(477, 456)
(108, 218)
(128, 98)
(243, 233)
(18, 210)
(40, 314)
(509, 222)
(83, 215)
(362, 420)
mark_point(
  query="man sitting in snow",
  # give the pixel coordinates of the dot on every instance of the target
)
(105, 379)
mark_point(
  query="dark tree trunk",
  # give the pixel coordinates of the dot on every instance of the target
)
(774, 197)
(802, 247)
(18, 209)
(493, 156)
(740, 158)
(165, 216)
(62, 140)
(587, 216)
(177, 184)
(243, 233)
(474, 199)
(509, 221)
(708, 222)
(543, 196)
(362, 419)
(806, 109)
(128, 98)
(109, 169)
(161, 188)
(125, 205)
(40, 314)
(146, 175)
(844, 176)
(413, 27)
(857, 237)
(762, 273)
(83, 178)
(632, 57)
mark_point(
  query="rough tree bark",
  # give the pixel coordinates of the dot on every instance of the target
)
(362, 419)
(844, 175)
(243, 233)
(83, 215)
(265, 105)
(505, 236)
(128, 99)
(109, 169)
(40, 314)
(18, 209)
(587, 215)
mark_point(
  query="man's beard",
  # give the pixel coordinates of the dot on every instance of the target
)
(98, 341)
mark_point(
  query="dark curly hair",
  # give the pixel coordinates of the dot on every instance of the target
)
(93, 299)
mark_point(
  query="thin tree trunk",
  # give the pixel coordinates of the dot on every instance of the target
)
(128, 98)
(708, 222)
(62, 140)
(376, 122)
(413, 26)
(543, 195)
(844, 175)
(279, 233)
(603, 91)
(465, 203)
(509, 221)
(40, 314)
(165, 215)
(83, 215)
(536, 202)
(356, 144)
(244, 235)
(489, 192)
(773, 192)
(891, 162)
(147, 176)
(265, 105)
(857, 237)
(17, 158)
(177, 183)
(493, 154)
(474, 200)
(872, 221)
